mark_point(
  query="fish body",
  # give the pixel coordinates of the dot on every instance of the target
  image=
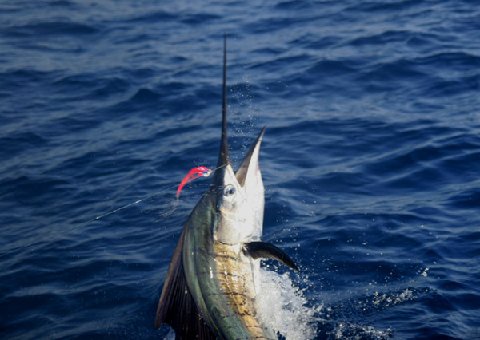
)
(221, 278)
(213, 279)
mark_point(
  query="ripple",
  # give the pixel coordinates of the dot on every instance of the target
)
(53, 28)
(469, 199)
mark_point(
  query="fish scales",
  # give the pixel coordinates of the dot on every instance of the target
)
(236, 280)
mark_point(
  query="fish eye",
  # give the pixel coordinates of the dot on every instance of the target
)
(229, 190)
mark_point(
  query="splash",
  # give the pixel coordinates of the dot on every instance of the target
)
(283, 307)
(344, 318)
(385, 300)
(352, 331)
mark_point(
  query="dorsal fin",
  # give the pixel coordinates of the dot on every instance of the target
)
(223, 155)
(176, 306)
(223, 158)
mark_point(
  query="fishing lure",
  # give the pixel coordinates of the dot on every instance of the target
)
(193, 174)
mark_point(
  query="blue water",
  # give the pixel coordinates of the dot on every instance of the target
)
(371, 159)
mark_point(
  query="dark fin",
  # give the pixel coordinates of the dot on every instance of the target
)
(176, 306)
(223, 156)
(268, 251)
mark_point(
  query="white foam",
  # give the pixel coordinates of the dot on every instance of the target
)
(425, 272)
(282, 306)
(384, 300)
(352, 331)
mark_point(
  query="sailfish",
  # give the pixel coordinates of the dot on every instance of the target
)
(213, 278)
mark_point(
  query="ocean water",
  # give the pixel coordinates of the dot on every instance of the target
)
(371, 159)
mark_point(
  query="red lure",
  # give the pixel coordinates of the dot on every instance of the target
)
(199, 171)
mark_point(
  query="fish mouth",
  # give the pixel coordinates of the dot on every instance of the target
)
(250, 164)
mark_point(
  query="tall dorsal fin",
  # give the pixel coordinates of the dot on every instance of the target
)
(223, 158)
(176, 306)
(223, 155)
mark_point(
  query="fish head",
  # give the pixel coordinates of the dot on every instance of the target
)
(240, 197)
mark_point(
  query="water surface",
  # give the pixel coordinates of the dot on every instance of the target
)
(371, 158)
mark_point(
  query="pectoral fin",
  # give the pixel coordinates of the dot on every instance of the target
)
(268, 251)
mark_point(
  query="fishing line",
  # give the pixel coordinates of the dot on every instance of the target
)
(193, 174)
